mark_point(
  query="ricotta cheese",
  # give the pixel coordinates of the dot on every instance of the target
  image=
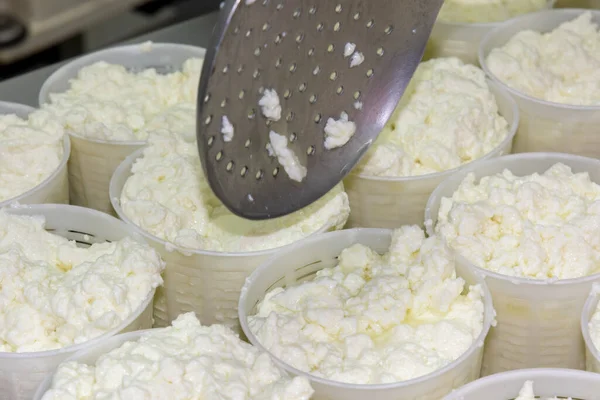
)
(481, 11)
(562, 66)
(594, 325)
(286, 157)
(30, 151)
(447, 117)
(356, 59)
(526, 393)
(181, 362)
(349, 49)
(338, 132)
(270, 106)
(109, 102)
(375, 318)
(536, 226)
(168, 196)
(227, 129)
(55, 294)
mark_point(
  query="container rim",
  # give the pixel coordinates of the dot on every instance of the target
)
(88, 59)
(506, 25)
(589, 308)
(40, 209)
(356, 234)
(517, 280)
(115, 199)
(61, 166)
(548, 6)
(512, 131)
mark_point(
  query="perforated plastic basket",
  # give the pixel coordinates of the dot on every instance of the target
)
(93, 161)
(21, 373)
(205, 282)
(546, 126)
(384, 202)
(538, 320)
(300, 261)
(547, 383)
(53, 189)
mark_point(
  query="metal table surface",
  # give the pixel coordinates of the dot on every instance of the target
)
(24, 88)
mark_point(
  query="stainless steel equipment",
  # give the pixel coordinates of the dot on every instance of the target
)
(297, 48)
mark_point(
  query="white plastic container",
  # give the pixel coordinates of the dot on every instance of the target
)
(456, 39)
(389, 202)
(545, 125)
(205, 282)
(93, 161)
(21, 373)
(300, 261)
(538, 320)
(547, 383)
(592, 354)
(53, 189)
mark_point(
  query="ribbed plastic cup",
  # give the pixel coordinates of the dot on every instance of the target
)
(538, 320)
(547, 383)
(53, 189)
(390, 202)
(93, 161)
(21, 373)
(205, 282)
(456, 39)
(301, 261)
(592, 353)
(545, 125)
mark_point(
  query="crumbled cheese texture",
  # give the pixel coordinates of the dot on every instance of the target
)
(109, 102)
(349, 49)
(227, 129)
(168, 196)
(375, 318)
(286, 157)
(358, 105)
(536, 226)
(562, 66)
(55, 294)
(338, 132)
(447, 117)
(181, 362)
(526, 393)
(30, 151)
(356, 59)
(594, 327)
(270, 106)
(481, 11)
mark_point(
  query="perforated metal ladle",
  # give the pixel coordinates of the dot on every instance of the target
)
(297, 48)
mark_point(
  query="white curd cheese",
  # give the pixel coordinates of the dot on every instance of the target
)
(481, 11)
(338, 132)
(349, 49)
(561, 66)
(54, 294)
(594, 326)
(447, 117)
(227, 129)
(270, 106)
(168, 196)
(109, 102)
(356, 59)
(182, 362)
(30, 151)
(536, 226)
(286, 156)
(375, 318)
(527, 393)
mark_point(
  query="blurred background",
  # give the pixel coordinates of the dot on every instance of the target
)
(36, 33)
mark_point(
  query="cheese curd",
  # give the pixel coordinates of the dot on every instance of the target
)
(184, 361)
(562, 66)
(30, 151)
(594, 327)
(338, 132)
(168, 196)
(536, 226)
(54, 294)
(481, 11)
(447, 117)
(109, 102)
(526, 393)
(375, 318)
(278, 146)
